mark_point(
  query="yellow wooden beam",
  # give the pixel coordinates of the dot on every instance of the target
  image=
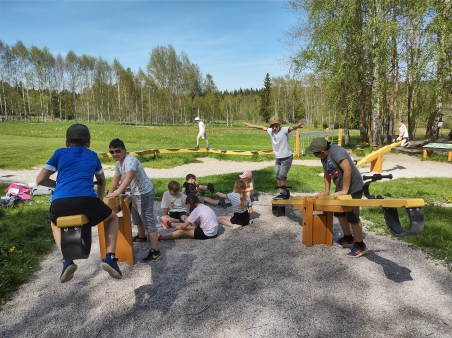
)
(376, 156)
(329, 203)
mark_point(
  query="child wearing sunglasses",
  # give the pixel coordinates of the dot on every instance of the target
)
(76, 165)
(129, 173)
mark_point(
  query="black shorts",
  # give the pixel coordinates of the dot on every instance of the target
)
(352, 216)
(91, 207)
(199, 234)
(242, 218)
(177, 214)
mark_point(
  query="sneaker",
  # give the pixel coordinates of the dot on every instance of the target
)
(207, 147)
(210, 188)
(236, 226)
(153, 255)
(197, 147)
(222, 203)
(166, 224)
(346, 243)
(139, 239)
(358, 251)
(69, 267)
(111, 266)
(281, 197)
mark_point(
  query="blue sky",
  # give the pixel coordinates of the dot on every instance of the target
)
(237, 42)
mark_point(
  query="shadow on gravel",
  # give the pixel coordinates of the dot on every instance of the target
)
(393, 271)
(397, 167)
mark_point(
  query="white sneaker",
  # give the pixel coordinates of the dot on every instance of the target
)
(236, 226)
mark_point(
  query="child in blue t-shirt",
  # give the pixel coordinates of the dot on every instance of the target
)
(74, 194)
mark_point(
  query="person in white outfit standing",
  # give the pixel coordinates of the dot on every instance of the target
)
(202, 133)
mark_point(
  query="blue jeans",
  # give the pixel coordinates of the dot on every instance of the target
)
(282, 167)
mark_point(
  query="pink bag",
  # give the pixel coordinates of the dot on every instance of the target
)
(18, 189)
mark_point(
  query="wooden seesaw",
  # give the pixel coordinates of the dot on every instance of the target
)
(318, 228)
(76, 236)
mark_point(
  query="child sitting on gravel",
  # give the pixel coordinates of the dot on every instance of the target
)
(173, 204)
(247, 177)
(192, 186)
(241, 205)
(200, 224)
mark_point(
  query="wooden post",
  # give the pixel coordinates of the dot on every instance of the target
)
(297, 144)
(124, 243)
(308, 214)
(339, 137)
(377, 164)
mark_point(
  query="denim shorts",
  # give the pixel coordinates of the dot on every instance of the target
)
(352, 216)
(282, 167)
(143, 211)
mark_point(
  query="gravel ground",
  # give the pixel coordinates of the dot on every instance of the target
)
(260, 281)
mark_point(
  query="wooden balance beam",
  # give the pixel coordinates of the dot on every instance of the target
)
(318, 228)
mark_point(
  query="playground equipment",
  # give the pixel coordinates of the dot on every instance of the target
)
(124, 243)
(76, 235)
(300, 139)
(299, 144)
(375, 158)
(154, 152)
(318, 228)
(428, 149)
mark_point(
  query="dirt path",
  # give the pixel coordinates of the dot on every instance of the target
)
(399, 165)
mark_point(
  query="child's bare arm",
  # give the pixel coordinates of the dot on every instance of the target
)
(221, 195)
(128, 177)
(184, 226)
(249, 125)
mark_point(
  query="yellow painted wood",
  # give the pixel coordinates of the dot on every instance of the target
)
(375, 158)
(385, 203)
(71, 221)
(344, 202)
(308, 221)
(124, 243)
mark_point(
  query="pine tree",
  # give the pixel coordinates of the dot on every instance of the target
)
(265, 109)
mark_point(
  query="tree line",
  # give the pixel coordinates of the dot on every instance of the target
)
(37, 84)
(377, 61)
(360, 64)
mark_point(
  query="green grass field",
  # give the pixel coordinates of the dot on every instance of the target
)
(25, 235)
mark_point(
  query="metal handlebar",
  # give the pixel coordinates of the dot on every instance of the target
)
(377, 177)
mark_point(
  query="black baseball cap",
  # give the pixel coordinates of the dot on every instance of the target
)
(78, 133)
